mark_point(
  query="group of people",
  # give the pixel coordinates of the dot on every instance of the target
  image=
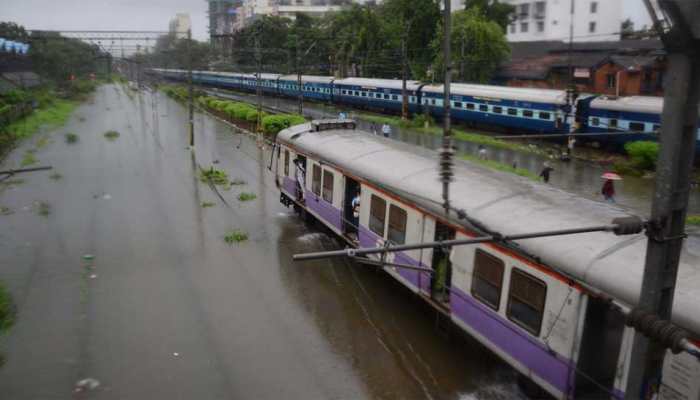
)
(385, 129)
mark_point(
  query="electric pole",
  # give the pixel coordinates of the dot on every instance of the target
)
(446, 152)
(667, 225)
(190, 88)
(404, 75)
(299, 83)
(258, 86)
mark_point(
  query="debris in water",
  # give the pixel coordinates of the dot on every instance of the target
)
(93, 276)
(176, 354)
(87, 384)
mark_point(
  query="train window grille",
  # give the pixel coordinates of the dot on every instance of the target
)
(498, 110)
(595, 121)
(394, 97)
(364, 94)
(397, 225)
(483, 108)
(316, 180)
(328, 186)
(286, 163)
(457, 104)
(377, 215)
(343, 92)
(432, 101)
(658, 127)
(528, 113)
(488, 279)
(637, 126)
(545, 115)
(526, 301)
(378, 95)
(387, 97)
(612, 123)
(470, 106)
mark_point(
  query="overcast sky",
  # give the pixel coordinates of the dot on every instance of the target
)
(147, 14)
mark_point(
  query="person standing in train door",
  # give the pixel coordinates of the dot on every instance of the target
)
(300, 174)
(386, 130)
(355, 204)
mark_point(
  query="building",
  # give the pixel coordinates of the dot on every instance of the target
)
(180, 25)
(622, 68)
(593, 20)
(249, 10)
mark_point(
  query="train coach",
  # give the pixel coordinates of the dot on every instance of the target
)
(543, 305)
(519, 110)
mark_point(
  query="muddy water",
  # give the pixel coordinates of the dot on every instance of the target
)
(577, 176)
(168, 310)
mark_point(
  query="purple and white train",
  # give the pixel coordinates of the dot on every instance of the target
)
(542, 305)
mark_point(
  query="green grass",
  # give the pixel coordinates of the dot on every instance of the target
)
(499, 166)
(207, 204)
(235, 236)
(43, 208)
(5, 210)
(245, 196)
(28, 159)
(42, 142)
(693, 220)
(215, 176)
(72, 138)
(7, 310)
(52, 116)
(111, 135)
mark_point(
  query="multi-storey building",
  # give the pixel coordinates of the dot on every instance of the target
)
(593, 20)
(251, 9)
(180, 25)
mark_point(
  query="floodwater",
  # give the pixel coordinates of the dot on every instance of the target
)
(167, 310)
(577, 176)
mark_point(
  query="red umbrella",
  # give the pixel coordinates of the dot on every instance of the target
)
(612, 176)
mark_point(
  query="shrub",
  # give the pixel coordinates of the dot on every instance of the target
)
(215, 176)
(252, 116)
(7, 310)
(643, 153)
(272, 124)
(235, 236)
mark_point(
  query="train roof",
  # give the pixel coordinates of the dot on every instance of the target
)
(549, 96)
(509, 204)
(378, 83)
(644, 104)
(308, 78)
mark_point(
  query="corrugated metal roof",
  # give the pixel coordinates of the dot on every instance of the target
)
(378, 83)
(503, 92)
(509, 204)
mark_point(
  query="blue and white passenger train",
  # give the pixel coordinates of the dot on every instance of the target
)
(515, 109)
(542, 305)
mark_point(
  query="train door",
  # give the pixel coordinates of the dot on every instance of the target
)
(300, 167)
(441, 280)
(351, 217)
(600, 349)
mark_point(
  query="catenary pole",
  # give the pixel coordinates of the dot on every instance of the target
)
(669, 207)
(190, 88)
(446, 152)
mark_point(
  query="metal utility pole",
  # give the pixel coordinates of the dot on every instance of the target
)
(258, 85)
(190, 88)
(446, 152)
(299, 83)
(571, 90)
(404, 76)
(667, 226)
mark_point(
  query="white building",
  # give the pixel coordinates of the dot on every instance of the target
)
(180, 25)
(251, 9)
(594, 20)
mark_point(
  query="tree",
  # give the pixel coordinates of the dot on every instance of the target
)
(627, 29)
(13, 31)
(492, 10)
(479, 46)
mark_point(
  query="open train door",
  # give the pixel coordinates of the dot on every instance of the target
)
(600, 350)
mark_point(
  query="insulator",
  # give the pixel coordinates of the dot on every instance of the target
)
(653, 327)
(628, 225)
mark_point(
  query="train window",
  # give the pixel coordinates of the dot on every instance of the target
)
(379, 95)
(488, 279)
(657, 128)
(316, 180)
(286, 163)
(612, 123)
(512, 111)
(377, 214)
(432, 101)
(545, 115)
(595, 121)
(498, 110)
(386, 97)
(636, 126)
(470, 106)
(528, 113)
(394, 97)
(484, 108)
(526, 301)
(397, 225)
(328, 186)
(343, 91)
(364, 94)
(458, 104)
